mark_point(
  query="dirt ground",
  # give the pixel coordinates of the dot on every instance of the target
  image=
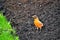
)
(19, 12)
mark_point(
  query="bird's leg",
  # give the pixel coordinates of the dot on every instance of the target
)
(40, 30)
(37, 28)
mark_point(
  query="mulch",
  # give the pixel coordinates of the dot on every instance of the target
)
(20, 12)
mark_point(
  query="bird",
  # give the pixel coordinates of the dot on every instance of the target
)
(38, 24)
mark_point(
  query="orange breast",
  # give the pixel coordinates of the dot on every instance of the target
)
(38, 24)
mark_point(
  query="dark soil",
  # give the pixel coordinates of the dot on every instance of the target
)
(19, 12)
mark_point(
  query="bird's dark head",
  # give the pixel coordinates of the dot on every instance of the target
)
(34, 16)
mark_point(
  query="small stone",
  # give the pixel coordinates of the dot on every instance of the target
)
(40, 5)
(19, 3)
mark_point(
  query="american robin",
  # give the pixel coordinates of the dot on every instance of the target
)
(38, 24)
